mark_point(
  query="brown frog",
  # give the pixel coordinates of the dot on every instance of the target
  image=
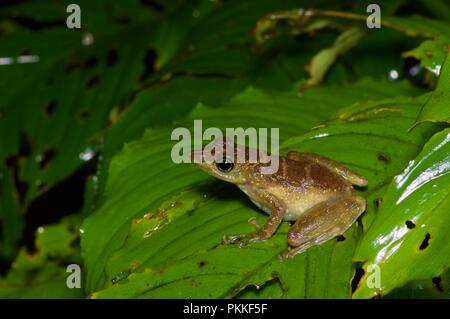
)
(311, 190)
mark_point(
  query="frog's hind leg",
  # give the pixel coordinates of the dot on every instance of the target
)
(324, 222)
(332, 165)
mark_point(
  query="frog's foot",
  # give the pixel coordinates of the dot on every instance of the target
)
(285, 255)
(297, 250)
(242, 239)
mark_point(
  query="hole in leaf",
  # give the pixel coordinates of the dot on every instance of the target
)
(410, 224)
(46, 157)
(426, 242)
(359, 273)
(378, 202)
(21, 186)
(201, 264)
(384, 158)
(111, 57)
(153, 4)
(149, 61)
(93, 81)
(62, 199)
(75, 243)
(5, 264)
(415, 73)
(35, 25)
(25, 145)
(50, 108)
(25, 149)
(437, 282)
(84, 115)
(26, 51)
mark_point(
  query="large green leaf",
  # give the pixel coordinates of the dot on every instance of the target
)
(436, 287)
(175, 218)
(373, 140)
(101, 16)
(156, 65)
(306, 19)
(42, 273)
(437, 108)
(10, 215)
(52, 111)
(213, 63)
(56, 121)
(411, 226)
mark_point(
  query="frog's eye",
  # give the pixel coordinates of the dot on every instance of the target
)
(225, 166)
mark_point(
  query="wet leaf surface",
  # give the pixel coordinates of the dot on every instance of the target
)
(86, 117)
(407, 234)
(174, 241)
(437, 108)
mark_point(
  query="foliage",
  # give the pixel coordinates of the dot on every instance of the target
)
(100, 115)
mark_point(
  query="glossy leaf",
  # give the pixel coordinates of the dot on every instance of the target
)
(411, 226)
(431, 53)
(159, 234)
(42, 274)
(72, 98)
(302, 20)
(436, 288)
(323, 60)
(437, 108)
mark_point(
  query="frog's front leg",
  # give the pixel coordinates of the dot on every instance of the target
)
(277, 212)
(324, 222)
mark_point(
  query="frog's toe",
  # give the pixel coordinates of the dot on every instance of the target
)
(290, 253)
(230, 240)
(284, 256)
(240, 240)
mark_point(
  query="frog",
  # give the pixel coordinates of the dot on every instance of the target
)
(313, 192)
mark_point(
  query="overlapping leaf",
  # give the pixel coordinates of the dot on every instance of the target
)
(177, 229)
(411, 225)
(437, 108)
(42, 273)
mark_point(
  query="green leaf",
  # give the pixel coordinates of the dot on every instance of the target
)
(431, 53)
(10, 216)
(50, 131)
(437, 108)
(373, 140)
(242, 112)
(300, 20)
(101, 16)
(323, 60)
(152, 66)
(42, 273)
(437, 287)
(185, 221)
(411, 226)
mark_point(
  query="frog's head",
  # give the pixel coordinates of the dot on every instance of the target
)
(225, 161)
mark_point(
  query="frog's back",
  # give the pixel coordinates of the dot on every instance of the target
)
(304, 175)
(304, 184)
